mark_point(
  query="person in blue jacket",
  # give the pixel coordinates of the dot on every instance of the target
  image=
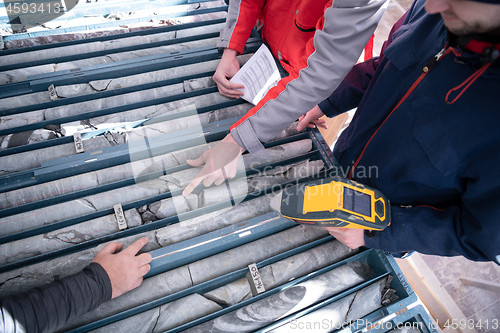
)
(427, 131)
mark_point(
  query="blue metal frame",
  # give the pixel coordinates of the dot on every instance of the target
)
(199, 289)
(416, 317)
(101, 94)
(146, 32)
(127, 182)
(382, 264)
(146, 64)
(191, 250)
(107, 25)
(150, 226)
(80, 56)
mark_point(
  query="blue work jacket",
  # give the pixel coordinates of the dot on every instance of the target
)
(437, 162)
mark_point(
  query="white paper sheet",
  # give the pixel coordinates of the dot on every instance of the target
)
(258, 75)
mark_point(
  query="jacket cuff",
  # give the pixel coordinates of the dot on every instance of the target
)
(225, 41)
(328, 109)
(245, 136)
(373, 242)
(102, 278)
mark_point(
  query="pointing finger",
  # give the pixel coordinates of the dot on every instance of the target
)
(192, 185)
(136, 246)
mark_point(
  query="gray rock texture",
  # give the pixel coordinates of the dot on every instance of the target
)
(283, 271)
(197, 272)
(26, 278)
(331, 317)
(165, 317)
(252, 252)
(288, 301)
(30, 247)
(212, 221)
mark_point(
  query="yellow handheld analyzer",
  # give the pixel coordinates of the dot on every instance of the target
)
(334, 202)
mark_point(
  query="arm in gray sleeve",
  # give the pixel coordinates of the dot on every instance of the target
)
(48, 308)
(241, 18)
(348, 25)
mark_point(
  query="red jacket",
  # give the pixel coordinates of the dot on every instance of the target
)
(317, 42)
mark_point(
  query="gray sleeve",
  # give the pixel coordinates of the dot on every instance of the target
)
(348, 26)
(232, 17)
(50, 307)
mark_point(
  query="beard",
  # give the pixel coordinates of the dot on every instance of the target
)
(461, 28)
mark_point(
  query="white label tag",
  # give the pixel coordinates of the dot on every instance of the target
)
(120, 216)
(77, 138)
(52, 92)
(256, 282)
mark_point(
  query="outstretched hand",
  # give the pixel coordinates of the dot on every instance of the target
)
(353, 238)
(125, 269)
(312, 119)
(221, 162)
(228, 66)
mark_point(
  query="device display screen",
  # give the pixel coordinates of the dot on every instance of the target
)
(357, 202)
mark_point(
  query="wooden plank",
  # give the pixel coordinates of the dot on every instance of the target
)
(478, 283)
(335, 127)
(432, 293)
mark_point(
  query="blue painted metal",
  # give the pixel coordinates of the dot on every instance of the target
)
(191, 250)
(381, 264)
(80, 56)
(101, 94)
(416, 318)
(15, 89)
(125, 68)
(27, 178)
(285, 286)
(69, 139)
(99, 189)
(199, 289)
(321, 304)
(108, 111)
(107, 25)
(102, 9)
(122, 68)
(116, 155)
(325, 151)
(150, 226)
(145, 32)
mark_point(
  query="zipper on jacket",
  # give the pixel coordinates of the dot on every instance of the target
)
(425, 70)
(433, 61)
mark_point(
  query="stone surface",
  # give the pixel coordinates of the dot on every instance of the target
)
(17, 75)
(50, 189)
(196, 84)
(31, 219)
(183, 311)
(113, 101)
(231, 294)
(26, 278)
(350, 308)
(212, 221)
(283, 271)
(291, 300)
(73, 90)
(21, 120)
(165, 317)
(152, 288)
(28, 99)
(169, 207)
(65, 237)
(252, 252)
